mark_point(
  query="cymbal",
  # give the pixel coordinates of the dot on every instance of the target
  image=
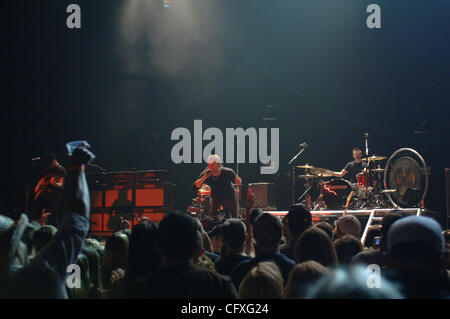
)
(323, 172)
(374, 158)
(308, 176)
(388, 191)
(305, 166)
(378, 170)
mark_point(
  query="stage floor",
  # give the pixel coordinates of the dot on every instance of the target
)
(362, 212)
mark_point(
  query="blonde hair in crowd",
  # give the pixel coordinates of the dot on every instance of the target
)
(264, 281)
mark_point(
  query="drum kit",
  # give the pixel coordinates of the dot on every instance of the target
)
(339, 193)
(375, 187)
(202, 204)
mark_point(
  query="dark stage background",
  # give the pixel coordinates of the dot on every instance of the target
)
(136, 70)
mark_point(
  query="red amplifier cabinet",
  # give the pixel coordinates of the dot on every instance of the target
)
(96, 220)
(119, 196)
(121, 178)
(151, 176)
(131, 196)
(97, 197)
(154, 194)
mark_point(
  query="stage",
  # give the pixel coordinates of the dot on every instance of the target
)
(367, 217)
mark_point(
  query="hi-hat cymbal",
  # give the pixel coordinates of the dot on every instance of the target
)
(305, 166)
(308, 176)
(323, 172)
(378, 170)
(374, 158)
(388, 191)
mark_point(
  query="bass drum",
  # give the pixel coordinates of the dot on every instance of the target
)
(336, 192)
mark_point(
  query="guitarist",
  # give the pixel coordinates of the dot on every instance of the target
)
(48, 191)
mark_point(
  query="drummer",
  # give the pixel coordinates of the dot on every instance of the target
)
(354, 167)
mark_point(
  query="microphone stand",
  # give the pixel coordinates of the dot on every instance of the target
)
(30, 165)
(293, 173)
(237, 158)
(27, 189)
(366, 139)
(97, 167)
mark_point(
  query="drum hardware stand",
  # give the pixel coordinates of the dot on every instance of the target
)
(308, 197)
(319, 203)
(293, 170)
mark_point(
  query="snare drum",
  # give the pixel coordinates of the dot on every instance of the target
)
(364, 179)
(336, 192)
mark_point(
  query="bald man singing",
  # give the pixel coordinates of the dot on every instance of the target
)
(221, 180)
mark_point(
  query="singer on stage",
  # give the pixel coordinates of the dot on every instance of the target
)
(221, 180)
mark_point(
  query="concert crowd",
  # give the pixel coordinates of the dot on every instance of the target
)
(260, 256)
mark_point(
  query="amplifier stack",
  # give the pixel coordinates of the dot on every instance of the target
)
(130, 196)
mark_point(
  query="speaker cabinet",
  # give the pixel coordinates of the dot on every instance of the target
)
(265, 195)
(96, 220)
(97, 197)
(129, 196)
(154, 194)
(119, 197)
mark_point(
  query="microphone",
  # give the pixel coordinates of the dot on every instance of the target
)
(366, 138)
(304, 145)
(36, 159)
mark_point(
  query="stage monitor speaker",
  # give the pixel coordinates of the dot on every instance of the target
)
(264, 195)
(447, 186)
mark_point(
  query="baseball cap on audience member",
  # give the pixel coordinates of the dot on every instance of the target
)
(268, 229)
(349, 225)
(415, 238)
